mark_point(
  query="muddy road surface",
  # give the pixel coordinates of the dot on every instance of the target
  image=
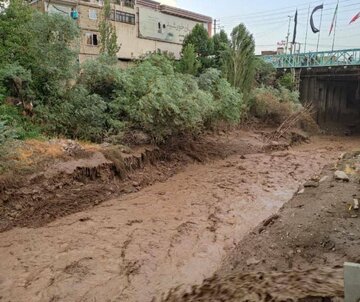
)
(173, 233)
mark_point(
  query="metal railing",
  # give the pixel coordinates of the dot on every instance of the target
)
(346, 57)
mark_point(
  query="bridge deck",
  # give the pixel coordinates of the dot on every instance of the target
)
(346, 57)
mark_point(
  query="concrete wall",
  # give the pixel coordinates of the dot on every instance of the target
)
(335, 96)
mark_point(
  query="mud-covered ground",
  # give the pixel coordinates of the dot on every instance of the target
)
(54, 179)
(297, 253)
(175, 232)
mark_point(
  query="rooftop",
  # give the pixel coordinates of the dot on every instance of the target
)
(170, 10)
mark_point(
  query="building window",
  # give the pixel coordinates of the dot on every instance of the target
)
(129, 3)
(123, 17)
(91, 39)
(92, 14)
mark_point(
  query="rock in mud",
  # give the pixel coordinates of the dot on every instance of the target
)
(252, 261)
(311, 184)
(341, 175)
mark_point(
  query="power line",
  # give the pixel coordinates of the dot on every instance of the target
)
(273, 19)
(284, 10)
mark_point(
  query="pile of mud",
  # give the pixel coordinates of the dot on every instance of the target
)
(307, 285)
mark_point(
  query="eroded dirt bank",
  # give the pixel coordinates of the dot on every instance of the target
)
(143, 244)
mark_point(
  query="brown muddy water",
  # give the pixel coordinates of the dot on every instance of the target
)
(172, 233)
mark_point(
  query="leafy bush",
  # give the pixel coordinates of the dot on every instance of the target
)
(287, 81)
(16, 81)
(228, 102)
(80, 115)
(265, 73)
(6, 133)
(100, 76)
(161, 102)
(21, 127)
(273, 105)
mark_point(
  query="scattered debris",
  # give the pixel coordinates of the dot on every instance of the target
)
(302, 191)
(323, 179)
(341, 175)
(356, 204)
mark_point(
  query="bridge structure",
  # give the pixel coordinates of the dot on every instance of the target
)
(336, 58)
(330, 80)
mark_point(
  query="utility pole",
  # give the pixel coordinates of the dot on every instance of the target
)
(307, 29)
(335, 25)
(216, 24)
(288, 35)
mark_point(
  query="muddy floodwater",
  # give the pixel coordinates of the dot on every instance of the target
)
(172, 233)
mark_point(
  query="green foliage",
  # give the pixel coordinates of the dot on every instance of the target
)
(6, 133)
(161, 102)
(100, 76)
(108, 36)
(228, 103)
(189, 63)
(204, 46)
(41, 44)
(99, 100)
(221, 45)
(80, 115)
(265, 73)
(287, 81)
(54, 60)
(16, 81)
(240, 59)
(18, 125)
(14, 21)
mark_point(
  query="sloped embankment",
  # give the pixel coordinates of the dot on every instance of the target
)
(80, 178)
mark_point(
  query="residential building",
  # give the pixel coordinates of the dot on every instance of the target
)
(142, 26)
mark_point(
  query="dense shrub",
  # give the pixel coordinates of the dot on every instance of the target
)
(228, 103)
(160, 101)
(80, 115)
(20, 126)
(287, 81)
(273, 105)
(265, 73)
(6, 133)
(16, 81)
(100, 76)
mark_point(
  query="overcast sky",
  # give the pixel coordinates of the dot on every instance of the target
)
(268, 20)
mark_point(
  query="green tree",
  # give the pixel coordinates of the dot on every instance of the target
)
(221, 45)
(54, 52)
(41, 44)
(108, 37)
(203, 44)
(189, 62)
(14, 21)
(240, 59)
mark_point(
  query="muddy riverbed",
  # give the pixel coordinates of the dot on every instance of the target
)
(172, 233)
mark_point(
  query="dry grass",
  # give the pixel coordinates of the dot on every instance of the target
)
(28, 156)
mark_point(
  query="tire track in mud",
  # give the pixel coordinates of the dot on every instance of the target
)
(143, 244)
